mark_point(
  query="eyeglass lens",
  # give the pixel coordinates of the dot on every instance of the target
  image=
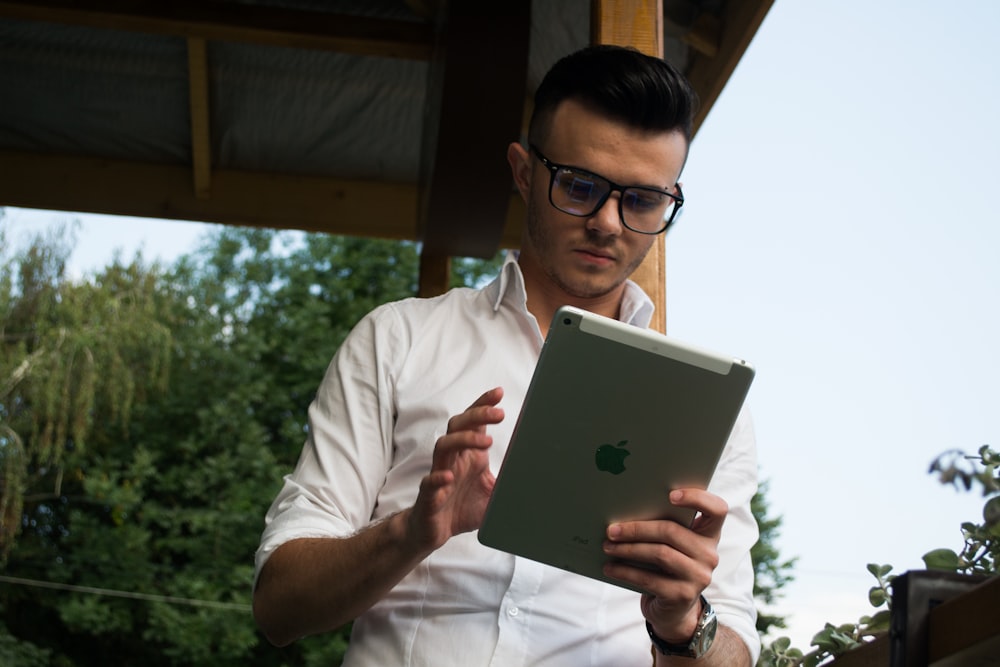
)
(581, 193)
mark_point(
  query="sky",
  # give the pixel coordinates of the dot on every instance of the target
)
(840, 233)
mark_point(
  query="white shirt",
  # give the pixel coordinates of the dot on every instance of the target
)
(404, 370)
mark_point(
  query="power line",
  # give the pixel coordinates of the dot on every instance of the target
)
(230, 606)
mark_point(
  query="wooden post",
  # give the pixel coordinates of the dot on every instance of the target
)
(638, 23)
(435, 274)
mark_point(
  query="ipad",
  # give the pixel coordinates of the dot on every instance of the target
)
(614, 418)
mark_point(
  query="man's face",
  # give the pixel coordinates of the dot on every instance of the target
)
(590, 257)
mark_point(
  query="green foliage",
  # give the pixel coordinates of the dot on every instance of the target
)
(17, 653)
(834, 640)
(771, 573)
(72, 353)
(980, 553)
(979, 556)
(154, 504)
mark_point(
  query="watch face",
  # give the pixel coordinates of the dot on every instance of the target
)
(707, 636)
(704, 635)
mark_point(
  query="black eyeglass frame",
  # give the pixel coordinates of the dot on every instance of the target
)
(554, 168)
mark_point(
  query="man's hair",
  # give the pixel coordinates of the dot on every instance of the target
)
(621, 83)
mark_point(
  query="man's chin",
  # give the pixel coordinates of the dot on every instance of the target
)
(589, 289)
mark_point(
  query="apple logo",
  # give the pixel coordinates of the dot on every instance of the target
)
(611, 458)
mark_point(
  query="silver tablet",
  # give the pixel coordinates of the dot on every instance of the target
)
(614, 418)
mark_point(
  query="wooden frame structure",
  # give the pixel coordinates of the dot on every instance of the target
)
(478, 62)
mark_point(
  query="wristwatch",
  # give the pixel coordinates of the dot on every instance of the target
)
(704, 635)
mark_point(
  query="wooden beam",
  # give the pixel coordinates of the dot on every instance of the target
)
(513, 227)
(638, 23)
(965, 630)
(237, 22)
(118, 187)
(916, 594)
(201, 147)
(875, 653)
(475, 105)
(708, 75)
(435, 274)
(705, 35)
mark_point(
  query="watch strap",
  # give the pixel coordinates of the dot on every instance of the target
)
(701, 641)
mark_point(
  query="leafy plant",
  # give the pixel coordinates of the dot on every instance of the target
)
(981, 552)
(834, 640)
(979, 555)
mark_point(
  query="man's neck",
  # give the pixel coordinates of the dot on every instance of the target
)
(544, 298)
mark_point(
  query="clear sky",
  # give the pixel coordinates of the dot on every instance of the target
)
(840, 232)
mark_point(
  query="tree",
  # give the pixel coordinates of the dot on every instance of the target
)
(160, 512)
(70, 352)
(76, 359)
(771, 573)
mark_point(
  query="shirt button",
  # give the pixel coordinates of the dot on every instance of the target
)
(513, 611)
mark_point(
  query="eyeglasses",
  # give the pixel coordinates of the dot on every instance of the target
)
(582, 193)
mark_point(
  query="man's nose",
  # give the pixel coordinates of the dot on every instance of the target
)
(607, 219)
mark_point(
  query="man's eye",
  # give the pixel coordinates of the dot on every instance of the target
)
(579, 189)
(643, 200)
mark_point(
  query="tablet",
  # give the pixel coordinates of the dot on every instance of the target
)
(614, 418)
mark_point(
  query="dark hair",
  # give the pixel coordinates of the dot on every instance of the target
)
(622, 83)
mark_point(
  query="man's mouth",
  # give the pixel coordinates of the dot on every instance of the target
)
(596, 255)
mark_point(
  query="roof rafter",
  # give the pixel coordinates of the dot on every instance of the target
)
(237, 23)
(142, 189)
(201, 146)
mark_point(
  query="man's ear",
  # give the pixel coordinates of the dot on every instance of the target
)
(520, 168)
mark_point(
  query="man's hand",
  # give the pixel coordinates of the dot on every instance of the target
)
(453, 496)
(681, 559)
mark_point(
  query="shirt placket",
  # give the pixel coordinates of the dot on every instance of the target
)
(514, 615)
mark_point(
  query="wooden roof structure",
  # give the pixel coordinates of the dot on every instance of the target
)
(386, 118)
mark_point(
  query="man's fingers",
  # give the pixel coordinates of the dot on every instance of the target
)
(687, 560)
(481, 413)
(475, 419)
(490, 397)
(699, 499)
(712, 514)
(712, 510)
(450, 446)
(676, 559)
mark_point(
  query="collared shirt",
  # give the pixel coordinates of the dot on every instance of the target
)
(387, 396)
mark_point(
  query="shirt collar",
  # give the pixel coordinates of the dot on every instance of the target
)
(636, 309)
(509, 284)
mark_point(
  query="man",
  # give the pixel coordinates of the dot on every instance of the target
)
(410, 423)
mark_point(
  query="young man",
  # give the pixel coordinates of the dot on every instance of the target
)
(410, 424)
